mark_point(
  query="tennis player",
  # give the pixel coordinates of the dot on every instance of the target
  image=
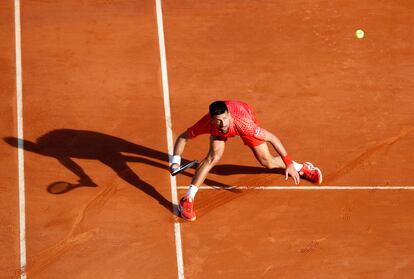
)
(227, 119)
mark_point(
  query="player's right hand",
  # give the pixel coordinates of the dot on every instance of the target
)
(290, 170)
(173, 167)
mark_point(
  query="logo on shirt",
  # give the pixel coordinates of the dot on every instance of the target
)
(257, 131)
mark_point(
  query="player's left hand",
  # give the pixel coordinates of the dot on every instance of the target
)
(290, 170)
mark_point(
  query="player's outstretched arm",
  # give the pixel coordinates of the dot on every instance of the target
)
(178, 151)
(276, 143)
(278, 146)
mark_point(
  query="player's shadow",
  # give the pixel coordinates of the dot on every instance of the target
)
(65, 145)
(230, 169)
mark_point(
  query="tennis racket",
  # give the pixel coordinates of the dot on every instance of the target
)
(184, 167)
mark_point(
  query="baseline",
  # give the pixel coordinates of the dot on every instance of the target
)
(302, 187)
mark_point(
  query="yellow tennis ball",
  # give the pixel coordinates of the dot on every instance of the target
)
(359, 33)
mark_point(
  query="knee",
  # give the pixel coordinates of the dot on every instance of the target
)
(266, 162)
(214, 158)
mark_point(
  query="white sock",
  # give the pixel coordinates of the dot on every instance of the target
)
(192, 191)
(297, 166)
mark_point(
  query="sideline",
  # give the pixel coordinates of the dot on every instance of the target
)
(20, 149)
(167, 109)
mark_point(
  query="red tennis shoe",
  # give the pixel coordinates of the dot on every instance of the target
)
(186, 209)
(311, 173)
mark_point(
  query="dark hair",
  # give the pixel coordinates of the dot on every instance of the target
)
(217, 108)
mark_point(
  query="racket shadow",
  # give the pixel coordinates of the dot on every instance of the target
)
(62, 187)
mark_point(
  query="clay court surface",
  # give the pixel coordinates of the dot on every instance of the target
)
(93, 111)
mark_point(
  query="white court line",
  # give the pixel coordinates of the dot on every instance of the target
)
(321, 188)
(20, 150)
(168, 122)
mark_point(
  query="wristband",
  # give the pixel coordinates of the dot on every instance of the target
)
(176, 159)
(286, 159)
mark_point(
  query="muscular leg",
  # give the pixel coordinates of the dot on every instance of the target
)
(214, 155)
(262, 154)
